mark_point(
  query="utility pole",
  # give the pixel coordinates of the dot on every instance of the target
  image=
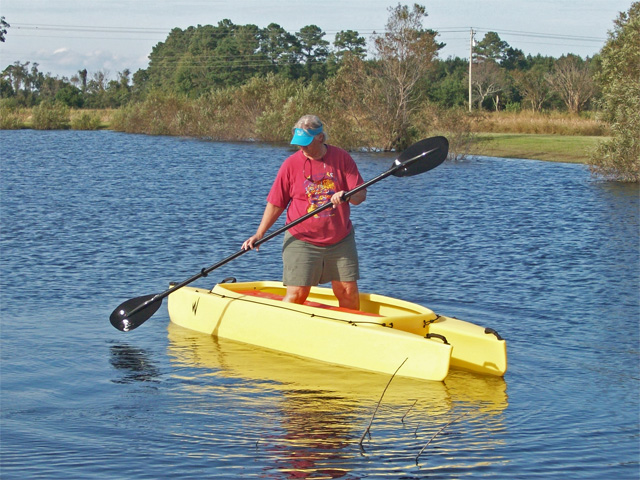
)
(471, 42)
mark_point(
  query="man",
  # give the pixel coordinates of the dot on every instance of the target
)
(322, 248)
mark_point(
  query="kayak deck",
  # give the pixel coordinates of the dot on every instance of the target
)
(276, 296)
(389, 331)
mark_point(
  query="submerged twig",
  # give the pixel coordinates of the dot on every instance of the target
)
(438, 433)
(410, 408)
(380, 401)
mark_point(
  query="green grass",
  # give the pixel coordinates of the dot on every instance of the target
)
(553, 148)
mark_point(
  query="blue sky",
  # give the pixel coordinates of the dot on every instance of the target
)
(64, 36)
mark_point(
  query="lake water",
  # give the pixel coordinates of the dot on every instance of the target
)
(541, 252)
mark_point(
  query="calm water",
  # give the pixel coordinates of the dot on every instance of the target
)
(538, 251)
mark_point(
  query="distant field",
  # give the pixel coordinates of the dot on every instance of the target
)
(554, 148)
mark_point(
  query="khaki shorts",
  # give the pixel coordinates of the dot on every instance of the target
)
(306, 264)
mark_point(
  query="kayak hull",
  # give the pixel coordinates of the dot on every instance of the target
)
(385, 336)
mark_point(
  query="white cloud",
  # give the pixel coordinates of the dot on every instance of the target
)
(65, 62)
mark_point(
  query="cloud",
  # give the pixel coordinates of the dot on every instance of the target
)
(65, 61)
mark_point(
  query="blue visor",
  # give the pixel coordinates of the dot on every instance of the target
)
(304, 137)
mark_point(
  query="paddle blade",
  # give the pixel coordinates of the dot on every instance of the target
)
(142, 307)
(422, 156)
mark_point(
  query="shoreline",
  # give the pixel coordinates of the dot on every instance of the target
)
(552, 138)
(529, 146)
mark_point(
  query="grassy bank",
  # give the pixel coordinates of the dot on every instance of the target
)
(550, 137)
(554, 148)
(77, 119)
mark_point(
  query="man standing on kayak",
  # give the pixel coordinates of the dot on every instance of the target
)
(321, 249)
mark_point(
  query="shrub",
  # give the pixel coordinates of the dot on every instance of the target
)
(160, 114)
(356, 100)
(9, 118)
(454, 123)
(513, 107)
(264, 109)
(619, 157)
(86, 121)
(287, 104)
(50, 116)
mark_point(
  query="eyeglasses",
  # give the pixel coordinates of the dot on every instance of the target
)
(310, 177)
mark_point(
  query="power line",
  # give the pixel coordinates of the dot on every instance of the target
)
(517, 33)
(253, 60)
(85, 28)
(368, 32)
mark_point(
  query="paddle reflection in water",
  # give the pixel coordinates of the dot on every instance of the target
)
(305, 418)
(133, 363)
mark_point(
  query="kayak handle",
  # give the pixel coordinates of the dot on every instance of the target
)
(437, 335)
(490, 331)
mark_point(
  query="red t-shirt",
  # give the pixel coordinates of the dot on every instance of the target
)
(303, 185)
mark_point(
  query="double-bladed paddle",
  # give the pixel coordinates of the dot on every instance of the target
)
(420, 157)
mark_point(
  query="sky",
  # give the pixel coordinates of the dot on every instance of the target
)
(64, 36)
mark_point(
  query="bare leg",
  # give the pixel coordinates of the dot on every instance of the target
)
(296, 294)
(347, 294)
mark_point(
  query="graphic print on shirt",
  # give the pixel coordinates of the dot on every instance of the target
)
(319, 189)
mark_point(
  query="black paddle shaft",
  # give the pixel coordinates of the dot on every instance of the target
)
(420, 157)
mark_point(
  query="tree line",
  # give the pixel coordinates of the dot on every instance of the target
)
(195, 60)
(24, 85)
(235, 82)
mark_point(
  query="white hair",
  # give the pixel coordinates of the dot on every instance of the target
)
(312, 122)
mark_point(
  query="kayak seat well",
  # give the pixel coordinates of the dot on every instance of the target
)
(275, 296)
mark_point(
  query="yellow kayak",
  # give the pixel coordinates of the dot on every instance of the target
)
(385, 335)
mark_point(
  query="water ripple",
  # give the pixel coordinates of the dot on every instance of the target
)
(538, 251)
